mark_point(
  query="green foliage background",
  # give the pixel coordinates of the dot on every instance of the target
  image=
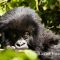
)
(49, 10)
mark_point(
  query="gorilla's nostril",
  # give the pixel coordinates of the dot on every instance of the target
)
(18, 44)
(22, 44)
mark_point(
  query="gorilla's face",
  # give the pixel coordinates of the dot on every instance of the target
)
(20, 41)
(23, 42)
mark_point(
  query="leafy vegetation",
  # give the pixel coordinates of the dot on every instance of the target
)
(9, 54)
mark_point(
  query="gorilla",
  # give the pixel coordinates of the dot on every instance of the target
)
(21, 28)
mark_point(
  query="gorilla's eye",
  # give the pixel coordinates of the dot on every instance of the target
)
(26, 35)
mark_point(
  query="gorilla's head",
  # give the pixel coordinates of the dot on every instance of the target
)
(20, 28)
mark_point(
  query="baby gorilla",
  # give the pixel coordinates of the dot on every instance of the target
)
(18, 24)
(22, 28)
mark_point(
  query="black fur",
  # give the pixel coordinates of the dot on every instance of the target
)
(23, 19)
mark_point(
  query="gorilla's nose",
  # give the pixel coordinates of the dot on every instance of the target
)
(21, 44)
